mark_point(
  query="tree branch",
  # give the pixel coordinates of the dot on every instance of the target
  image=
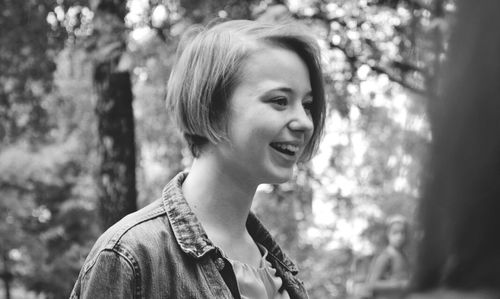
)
(18, 187)
(397, 80)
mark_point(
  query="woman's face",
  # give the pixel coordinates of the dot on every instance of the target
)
(397, 235)
(269, 121)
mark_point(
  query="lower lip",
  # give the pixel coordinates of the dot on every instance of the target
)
(288, 160)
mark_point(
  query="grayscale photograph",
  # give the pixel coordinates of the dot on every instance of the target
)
(249, 149)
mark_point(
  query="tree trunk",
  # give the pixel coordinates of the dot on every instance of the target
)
(434, 78)
(117, 181)
(6, 275)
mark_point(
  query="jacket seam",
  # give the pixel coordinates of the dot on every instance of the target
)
(135, 271)
(117, 236)
(129, 258)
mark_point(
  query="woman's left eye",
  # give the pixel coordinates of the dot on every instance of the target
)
(307, 106)
(280, 101)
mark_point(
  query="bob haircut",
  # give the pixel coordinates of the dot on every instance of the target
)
(208, 68)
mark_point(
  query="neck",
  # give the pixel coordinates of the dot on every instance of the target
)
(219, 199)
(396, 248)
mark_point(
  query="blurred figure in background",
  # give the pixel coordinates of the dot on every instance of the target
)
(389, 272)
(459, 253)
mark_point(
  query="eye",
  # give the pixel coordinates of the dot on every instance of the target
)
(279, 101)
(308, 106)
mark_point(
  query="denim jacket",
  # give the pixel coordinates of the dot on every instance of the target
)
(162, 251)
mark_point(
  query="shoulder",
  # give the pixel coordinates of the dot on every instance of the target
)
(135, 231)
(390, 254)
(380, 263)
(384, 255)
(113, 266)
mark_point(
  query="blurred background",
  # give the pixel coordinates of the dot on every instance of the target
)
(85, 137)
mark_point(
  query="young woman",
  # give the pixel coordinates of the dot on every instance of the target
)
(389, 274)
(249, 99)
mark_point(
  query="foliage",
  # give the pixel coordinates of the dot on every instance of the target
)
(47, 225)
(48, 222)
(41, 225)
(28, 46)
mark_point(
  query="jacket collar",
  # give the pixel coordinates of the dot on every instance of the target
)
(193, 239)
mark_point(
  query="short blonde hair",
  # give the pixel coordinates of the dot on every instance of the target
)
(208, 68)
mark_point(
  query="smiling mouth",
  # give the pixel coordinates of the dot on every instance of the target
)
(286, 148)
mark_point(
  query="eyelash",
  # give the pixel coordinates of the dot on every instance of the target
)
(282, 101)
(308, 106)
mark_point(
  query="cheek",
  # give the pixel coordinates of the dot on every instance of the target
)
(250, 137)
(253, 125)
(308, 136)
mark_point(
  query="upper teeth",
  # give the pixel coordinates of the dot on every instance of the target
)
(289, 147)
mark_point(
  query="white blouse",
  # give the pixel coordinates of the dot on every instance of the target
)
(258, 283)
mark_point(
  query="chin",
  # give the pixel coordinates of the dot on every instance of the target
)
(280, 177)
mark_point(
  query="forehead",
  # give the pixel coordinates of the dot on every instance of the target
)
(397, 227)
(271, 66)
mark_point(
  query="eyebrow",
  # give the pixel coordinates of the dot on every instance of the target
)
(290, 90)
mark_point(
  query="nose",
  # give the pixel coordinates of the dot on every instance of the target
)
(301, 121)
